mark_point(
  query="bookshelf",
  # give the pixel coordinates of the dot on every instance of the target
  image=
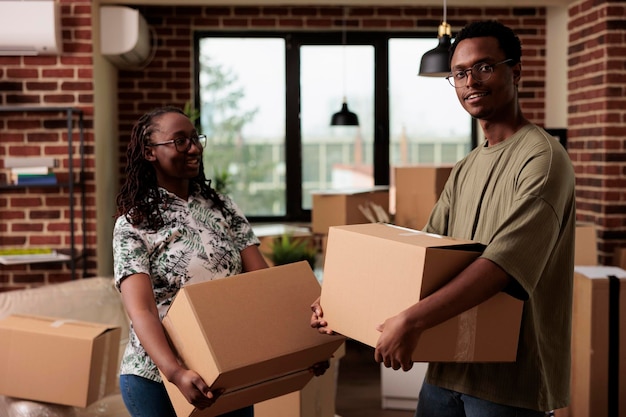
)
(75, 185)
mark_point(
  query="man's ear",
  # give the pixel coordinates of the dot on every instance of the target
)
(517, 72)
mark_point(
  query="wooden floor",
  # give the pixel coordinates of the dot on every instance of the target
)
(358, 385)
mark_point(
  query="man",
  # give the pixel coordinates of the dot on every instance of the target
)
(515, 194)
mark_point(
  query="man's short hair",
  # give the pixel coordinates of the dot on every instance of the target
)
(508, 40)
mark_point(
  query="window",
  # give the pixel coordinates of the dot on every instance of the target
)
(266, 100)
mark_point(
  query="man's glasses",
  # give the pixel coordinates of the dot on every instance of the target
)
(480, 72)
(184, 144)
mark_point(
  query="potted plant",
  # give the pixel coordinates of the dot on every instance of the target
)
(287, 248)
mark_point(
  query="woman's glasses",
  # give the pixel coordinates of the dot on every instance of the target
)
(184, 144)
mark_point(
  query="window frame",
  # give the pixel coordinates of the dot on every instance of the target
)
(293, 139)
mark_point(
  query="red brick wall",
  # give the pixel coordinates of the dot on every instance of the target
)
(597, 117)
(39, 217)
(168, 79)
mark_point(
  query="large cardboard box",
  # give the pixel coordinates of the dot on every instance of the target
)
(598, 379)
(585, 245)
(58, 361)
(417, 190)
(374, 271)
(248, 334)
(340, 207)
(316, 399)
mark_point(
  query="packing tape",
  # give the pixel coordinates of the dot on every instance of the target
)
(466, 341)
(59, 323)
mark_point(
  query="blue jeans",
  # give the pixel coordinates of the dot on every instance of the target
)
(440, 402)
(146, 398)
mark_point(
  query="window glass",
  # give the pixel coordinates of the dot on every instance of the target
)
(336, 157)
(427, 123)
(242, 103)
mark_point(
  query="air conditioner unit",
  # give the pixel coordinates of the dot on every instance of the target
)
(29, 27)
(124, 37)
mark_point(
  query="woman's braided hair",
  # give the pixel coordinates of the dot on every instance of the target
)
(139, 199)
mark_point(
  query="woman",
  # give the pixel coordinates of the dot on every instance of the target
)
(172, 229)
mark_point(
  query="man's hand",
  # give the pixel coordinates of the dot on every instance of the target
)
(317, 319)
(396, 343)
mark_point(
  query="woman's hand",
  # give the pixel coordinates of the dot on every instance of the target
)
(317, 320)
(194, 389)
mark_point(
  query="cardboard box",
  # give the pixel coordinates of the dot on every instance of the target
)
(417, 190)
(598, 379)
(316, 399)
(58, 361)
(619, 257)
(374, 271)
(340, 207)
(248, 334)
(586, 245)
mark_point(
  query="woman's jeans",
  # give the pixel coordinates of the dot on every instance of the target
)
(439, 402)
(146, 398)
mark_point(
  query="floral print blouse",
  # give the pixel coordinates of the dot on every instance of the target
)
(196, 243)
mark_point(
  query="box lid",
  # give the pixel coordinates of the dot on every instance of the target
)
(351, 191)
(58, 327)
(596, 272)
(411, 237)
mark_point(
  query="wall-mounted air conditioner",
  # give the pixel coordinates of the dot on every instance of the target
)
(30, 27)
(124, 37)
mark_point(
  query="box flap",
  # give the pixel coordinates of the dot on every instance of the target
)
(351, 191)
(600, 271)
(55, 326)
(412, 237)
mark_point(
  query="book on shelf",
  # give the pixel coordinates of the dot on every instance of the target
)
(24, 251)
(38, 170)
(25, 256)
(30, 161)
(28, 179)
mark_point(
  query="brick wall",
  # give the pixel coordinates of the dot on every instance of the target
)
(39, 217)
(595, 117)
(168, 79)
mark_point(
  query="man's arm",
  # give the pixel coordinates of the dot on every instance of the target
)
(481, 280)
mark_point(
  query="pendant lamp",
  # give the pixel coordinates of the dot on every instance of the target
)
(344, 117)
(436, 62)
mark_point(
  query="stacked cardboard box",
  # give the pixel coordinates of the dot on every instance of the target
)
(58, 361)
(619, 257)
(417, 189)
(598, 382)
(316, 399)
(585, 245)
(248, 335)
(374, 271)
(599, 302)
(341, 207)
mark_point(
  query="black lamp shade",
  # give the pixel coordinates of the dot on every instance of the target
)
(436, 62)
(344, 117)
